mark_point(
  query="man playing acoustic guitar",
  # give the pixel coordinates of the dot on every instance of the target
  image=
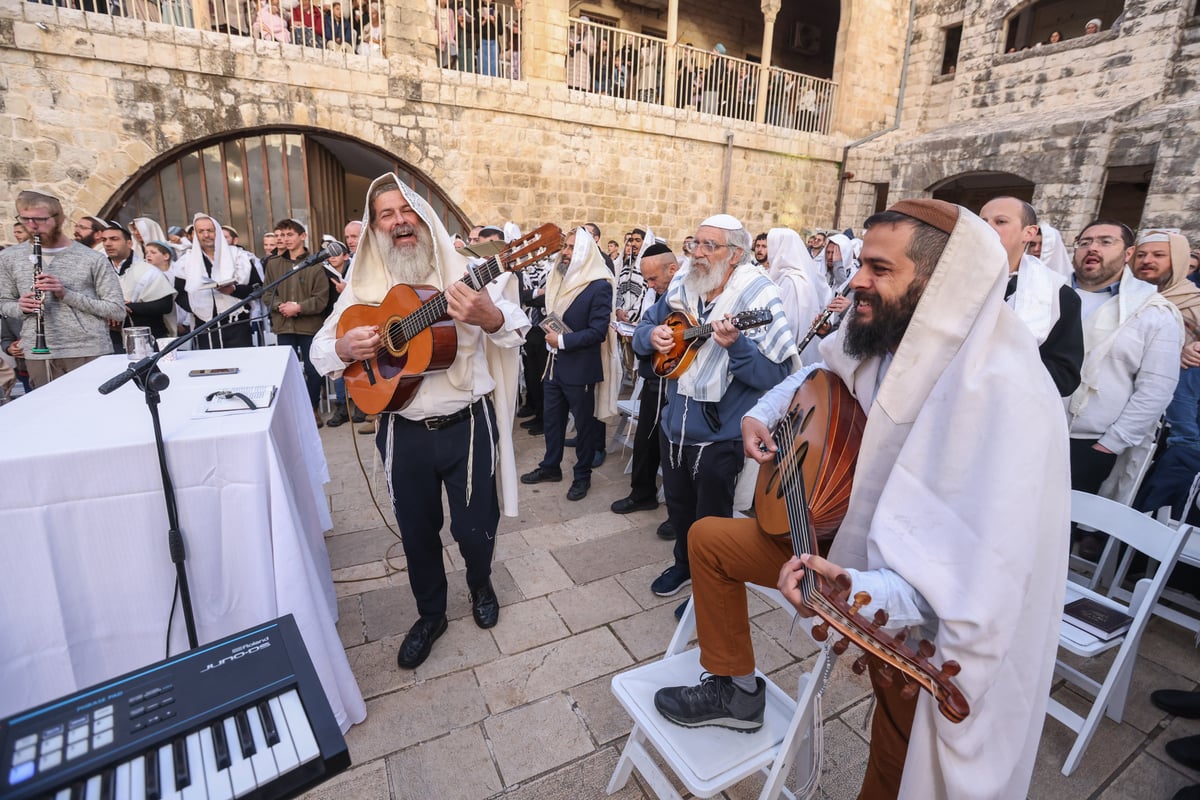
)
(456, 431)
(700, 433)
(957, 522)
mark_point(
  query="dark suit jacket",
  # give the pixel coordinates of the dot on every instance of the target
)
(578, 360)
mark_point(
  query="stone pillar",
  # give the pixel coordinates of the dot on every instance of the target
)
(770, 9)
(544, 30)
(409, 31)
(672, 55)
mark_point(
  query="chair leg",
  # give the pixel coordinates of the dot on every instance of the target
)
(624, 767)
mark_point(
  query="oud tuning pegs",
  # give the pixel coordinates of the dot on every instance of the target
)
(901, 635)
(881, 618)
(861, 600)
(841, 645)
(926, 649)
(821, 632)
(885, 674)
(860, 664)
(950, 669)
(910, 690)
(842, 584)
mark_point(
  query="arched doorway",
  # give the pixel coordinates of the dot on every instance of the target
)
(252, 179)
(973, 189)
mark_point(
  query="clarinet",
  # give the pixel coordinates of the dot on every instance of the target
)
(823, 317)
(39, 338)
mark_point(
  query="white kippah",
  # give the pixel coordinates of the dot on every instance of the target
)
(726, 222)
(1153, 236)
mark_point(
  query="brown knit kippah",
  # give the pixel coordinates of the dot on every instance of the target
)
(936, 213)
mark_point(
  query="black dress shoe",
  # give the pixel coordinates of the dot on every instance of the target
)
(536, 430)
(627, 505)
(579, 489)
(1179, 703)
(1186, 751)
(666, 530)
(485, 606)
(529, 423)
(570, 442)
(419, 641)
(1188, 793)
(542, 475)
(358, 417)
(524, 411)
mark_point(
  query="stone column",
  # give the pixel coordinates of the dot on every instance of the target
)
(672, 54)
(770, 9)
(544, 30)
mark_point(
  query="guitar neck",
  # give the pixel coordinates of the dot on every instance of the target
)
(434, 310)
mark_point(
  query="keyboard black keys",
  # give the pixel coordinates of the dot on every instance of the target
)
(244, 736)
(153, 786)
(220, 745)
(179, 763)
(268, 723)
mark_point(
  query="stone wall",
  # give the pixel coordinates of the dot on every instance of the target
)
(91, 101)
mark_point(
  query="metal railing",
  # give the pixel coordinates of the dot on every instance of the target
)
(632, 66)
(480, 37)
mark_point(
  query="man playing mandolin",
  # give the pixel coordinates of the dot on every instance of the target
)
(456, 431)
(700, 433)
(957, 522)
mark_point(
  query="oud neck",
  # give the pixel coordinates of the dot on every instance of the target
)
(789, 463)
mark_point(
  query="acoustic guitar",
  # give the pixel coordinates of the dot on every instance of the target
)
(418, 335)
(818, 441)
(690, 336)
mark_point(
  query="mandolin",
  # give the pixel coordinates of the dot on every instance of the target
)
(418, 335)
(690, 336)
(813, 412)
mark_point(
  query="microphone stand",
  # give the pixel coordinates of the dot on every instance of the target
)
(146, 375)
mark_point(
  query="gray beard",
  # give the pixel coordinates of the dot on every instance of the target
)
(408, 265)
(697, 282)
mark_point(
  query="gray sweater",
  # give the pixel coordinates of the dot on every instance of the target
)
(77, 325)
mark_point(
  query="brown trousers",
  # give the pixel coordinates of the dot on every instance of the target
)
(42, 371)
(726, 554)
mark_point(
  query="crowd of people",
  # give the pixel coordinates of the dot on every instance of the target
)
(942, 325)
(479, 36)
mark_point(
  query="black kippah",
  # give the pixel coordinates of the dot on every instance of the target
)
(656, 249)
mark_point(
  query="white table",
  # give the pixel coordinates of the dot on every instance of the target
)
(86, 581)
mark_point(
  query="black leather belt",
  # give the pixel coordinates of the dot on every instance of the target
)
(437, 423)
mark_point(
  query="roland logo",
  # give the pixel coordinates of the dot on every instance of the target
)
(240, 652)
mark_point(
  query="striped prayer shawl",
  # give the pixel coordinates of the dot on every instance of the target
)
(748, 288)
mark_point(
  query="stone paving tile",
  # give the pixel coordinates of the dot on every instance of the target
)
(350, 626)
(392, 610)
(369, 780)
(458, 764)
(589, 561)
(604, 716)
(528, 624)
(538, 574)
(367, 577)
(648, 633)
(1146, 777)
(561, 738)
(637, 583)
(360, 547)
(514, 680)
(416, 714)
(597, 603)
(578, 529)
(458, 599)
(585, 779)
(1174, 728)
(778, 624)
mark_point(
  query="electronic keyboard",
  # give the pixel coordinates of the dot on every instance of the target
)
(243, 717)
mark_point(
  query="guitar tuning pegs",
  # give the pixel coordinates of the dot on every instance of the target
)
(881, 618)
(950, 669)
(841, 645)
(884, 675)
(860, 664)
(926, 649)
(821, 632)
(910, 690)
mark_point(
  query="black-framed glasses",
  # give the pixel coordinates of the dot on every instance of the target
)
(1102, 241)
(36, 220)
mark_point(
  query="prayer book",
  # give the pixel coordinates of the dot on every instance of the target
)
(1099, 620)
(242, 398)
(553, 322)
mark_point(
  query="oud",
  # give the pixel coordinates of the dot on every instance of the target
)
(690, 336)
(818, 442)
(418, 335)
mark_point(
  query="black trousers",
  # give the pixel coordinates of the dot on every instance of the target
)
(698, 482)
(300, 344)
(535, 364)
(561, 398)
(647, 454)
(1089, 468)
(423, 463)
(227, 334)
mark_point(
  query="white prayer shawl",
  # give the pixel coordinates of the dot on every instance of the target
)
(1101, 330)
(587, 266)
(150, 231)
(802, 298)
(512, 232)
(630, 283)
(227, 267)
(144, 283)
(962, 487)
(849, 266)
(748, 289)
(370, 283)
(1054, 251)
(1036, 299)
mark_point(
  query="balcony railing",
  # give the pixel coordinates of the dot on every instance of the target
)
(483, 38)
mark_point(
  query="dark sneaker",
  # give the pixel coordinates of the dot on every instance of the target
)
(419, 641)
(599, 458)
(524, 412)
(338, 417)
(666, 530)
(627, 505)
(485, 606)
(679, 609)
(358, 416)
(537, 429)
(671, 581)
(579, 489)
(715, 701)
(542, 475)
(529, 423)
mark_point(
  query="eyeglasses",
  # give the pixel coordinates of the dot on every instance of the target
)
(1100, 241)
(35, 220)
(702, 246)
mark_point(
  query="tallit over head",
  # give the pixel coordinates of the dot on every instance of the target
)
(631, 286)
(226, 268)
(838, 275)
(1179, 290)
(1054, 251)
(962, 487)
(802, 290)
(149, 230)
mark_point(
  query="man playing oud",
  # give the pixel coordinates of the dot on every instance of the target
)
(934, 356)
(456, 432)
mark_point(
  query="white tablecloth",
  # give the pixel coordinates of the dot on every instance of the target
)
(86, 580)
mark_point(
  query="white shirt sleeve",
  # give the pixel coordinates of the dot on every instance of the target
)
(904, 605)
(516, 324)
(774, 404)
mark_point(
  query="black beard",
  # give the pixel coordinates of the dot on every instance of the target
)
(889, 322)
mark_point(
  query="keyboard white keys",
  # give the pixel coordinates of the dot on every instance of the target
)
(121, 790)
(62, 794)
(297, 722)
(217, 780)
(285, 751)
(137, 780)
(241, 773)
(91, 791)
(166, 774)
(263, 760)
(197, 789)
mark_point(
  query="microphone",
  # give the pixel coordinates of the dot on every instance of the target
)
(116, 382)
(330, 249)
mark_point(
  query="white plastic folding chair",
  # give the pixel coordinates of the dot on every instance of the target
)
(708, 760)
(1158, 542)
(627, 418)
